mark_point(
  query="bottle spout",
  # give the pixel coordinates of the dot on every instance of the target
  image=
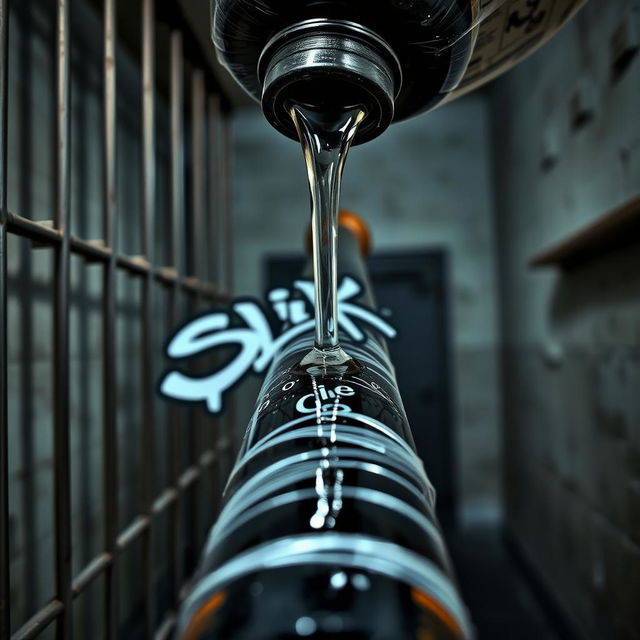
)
(329, 65)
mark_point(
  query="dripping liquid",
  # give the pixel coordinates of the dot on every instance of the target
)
(326, 136)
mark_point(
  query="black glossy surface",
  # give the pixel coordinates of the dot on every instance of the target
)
(429, 37)
(412, 285)
(321, 602)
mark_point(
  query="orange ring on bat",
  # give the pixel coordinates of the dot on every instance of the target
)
(354, 223)
(198, 624)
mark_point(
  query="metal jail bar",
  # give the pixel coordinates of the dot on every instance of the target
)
(203, 279)
(5, 584)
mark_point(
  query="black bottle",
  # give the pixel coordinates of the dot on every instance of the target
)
(328, 526)
(396, 58)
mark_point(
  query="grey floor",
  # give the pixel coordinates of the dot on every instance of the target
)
(501, 600)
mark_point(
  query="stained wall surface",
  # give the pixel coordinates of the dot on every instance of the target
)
(572, 338)
(424, 183)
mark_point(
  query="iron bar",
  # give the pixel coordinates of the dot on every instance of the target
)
(61, 330)
(225, 153)
(90, 572)
(213, 186)
(139, 525)
(198, 160)
(177, 229)
(45, 235)
(165, 500)
(226, 281)
(207, 459)
(197, 237)
(40, 621)
(5, 581)
(38, 231)
(146, 318)
(148, 127)
(177, 150)
(110, 437)
(188, 477)
(214, 255)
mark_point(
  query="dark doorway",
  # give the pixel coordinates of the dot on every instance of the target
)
(411, 287)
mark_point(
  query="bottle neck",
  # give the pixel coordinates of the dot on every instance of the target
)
(329, 65)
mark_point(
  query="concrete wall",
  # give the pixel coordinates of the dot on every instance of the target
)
(423, 183)
(572, 339)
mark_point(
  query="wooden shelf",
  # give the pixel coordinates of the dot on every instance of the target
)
(613, 230)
